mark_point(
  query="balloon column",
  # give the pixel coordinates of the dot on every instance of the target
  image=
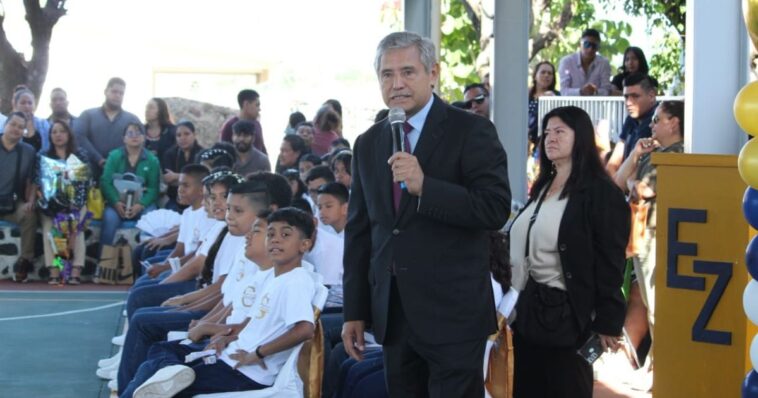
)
(746, 114)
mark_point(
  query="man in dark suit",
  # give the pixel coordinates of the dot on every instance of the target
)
(416, 258)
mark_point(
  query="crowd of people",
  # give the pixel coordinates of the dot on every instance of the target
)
(413, 285)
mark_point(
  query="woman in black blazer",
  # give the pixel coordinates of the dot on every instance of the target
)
(567, 250)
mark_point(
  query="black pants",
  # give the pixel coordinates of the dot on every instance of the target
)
(415, 368)
(542, 372)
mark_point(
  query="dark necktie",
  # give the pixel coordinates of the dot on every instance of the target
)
(396, 190)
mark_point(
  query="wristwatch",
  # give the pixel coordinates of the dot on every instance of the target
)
(258, 352)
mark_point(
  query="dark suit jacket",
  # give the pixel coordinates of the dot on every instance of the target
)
(438, 243)
(592, 239)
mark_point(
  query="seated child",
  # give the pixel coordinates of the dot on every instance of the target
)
(281, 319)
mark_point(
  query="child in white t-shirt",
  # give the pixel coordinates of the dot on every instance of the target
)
(281, 319)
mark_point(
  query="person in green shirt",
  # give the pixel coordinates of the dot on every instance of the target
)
(131, 158)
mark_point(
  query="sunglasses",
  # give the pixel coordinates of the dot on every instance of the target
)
(590, 44)
(478, 99)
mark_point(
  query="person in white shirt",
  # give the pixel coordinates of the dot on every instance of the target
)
(282, 319)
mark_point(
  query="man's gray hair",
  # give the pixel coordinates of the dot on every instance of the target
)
(398, 40)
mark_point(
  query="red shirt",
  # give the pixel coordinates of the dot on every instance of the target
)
(226, 133)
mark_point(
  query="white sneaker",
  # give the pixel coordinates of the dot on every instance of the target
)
(123, 313)
(104, 363)
(113, 385)
(166, 382)
(107, 374)
(111, 368)
(119, 340)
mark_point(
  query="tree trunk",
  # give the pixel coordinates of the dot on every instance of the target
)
(14, 69)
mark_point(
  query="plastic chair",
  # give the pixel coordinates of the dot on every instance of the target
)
(288, 383)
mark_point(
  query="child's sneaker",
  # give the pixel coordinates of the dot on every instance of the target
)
(166, 382)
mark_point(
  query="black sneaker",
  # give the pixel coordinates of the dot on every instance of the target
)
(21, 270)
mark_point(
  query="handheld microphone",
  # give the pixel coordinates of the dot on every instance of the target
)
(397, 119)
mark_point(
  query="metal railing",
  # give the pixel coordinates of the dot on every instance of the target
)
(607, 113)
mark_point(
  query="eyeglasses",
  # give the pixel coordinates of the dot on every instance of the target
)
(478, 99)
(657, 119)
(133, 133)
(590, 44)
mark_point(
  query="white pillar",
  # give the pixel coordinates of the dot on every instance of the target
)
(509, 87)
(715, 70)
(417, 16)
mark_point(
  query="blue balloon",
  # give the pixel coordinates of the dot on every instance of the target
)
(751, 257)
(750, 207)
(750, 385)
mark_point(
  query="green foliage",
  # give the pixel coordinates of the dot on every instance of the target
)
(459, 47)
(665, 64)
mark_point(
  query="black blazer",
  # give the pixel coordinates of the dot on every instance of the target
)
(438, 243)
(592, 239)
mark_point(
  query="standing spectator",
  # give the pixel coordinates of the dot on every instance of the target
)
(250, 110)
(178, 156)
(37, 132)
(292, 148)
(416, 263)
(306, 131)
(132, 157)
(476, 99)
(59, 107)
(634, 62)
(101, 130)
(17, 190)
(543, 83)
(295, 119)
(639, 177)
(586, 72)
(249, 159)
(63, 145)
(326, 122)
(567, 249)
(640, 98)
(160, 132)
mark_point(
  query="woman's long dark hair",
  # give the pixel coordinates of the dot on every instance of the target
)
(533, 89)
(585, 160)
(71, 146)
(644, 68)
(164, 116)
(500, 255)
(207, 274)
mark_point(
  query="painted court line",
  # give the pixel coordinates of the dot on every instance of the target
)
(102, 307)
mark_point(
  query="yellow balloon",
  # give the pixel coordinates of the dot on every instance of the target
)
(746, 108)
(747, 163)
(750, 12)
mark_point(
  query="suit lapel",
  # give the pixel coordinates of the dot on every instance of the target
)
(383, 151)
(430, 137)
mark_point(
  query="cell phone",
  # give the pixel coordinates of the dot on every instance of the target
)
(591, 350)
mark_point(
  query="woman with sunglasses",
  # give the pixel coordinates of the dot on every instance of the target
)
(130, 158)
(637, 176)
(543, 83)
(634, 61)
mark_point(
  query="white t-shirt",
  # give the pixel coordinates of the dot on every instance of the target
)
(283, 302)
(245, 291)
(326, 257)
(210, 238)
(226, 254)
(192, 226)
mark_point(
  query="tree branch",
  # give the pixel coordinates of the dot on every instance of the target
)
(543, 38)
(476, 22)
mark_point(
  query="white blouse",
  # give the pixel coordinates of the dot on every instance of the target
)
(544, 261)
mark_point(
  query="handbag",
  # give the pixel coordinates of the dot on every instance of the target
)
(95, 202)
(544, 316)
(115, 266)
(8, 200)
(499, 378)
(640, 212)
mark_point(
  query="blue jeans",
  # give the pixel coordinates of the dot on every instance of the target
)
(209, 379)
(153, 294)
(356, 383)
(112, 221)
(141, 252)
(350, 371)
(331, 324)
(148, 326)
